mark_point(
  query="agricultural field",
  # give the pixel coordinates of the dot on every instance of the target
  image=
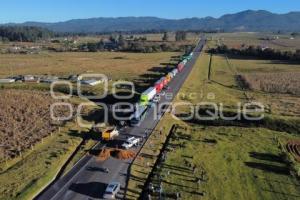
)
(283, 42)
(34, 148)
(224, 160)
(274, 82)
(126, 66)
(25, 120)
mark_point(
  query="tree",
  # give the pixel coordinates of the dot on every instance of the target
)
(165, 36)
(122, 42)
(92, 47)
(24, 33)
(113, 39)
(100, 45)
(180, 36)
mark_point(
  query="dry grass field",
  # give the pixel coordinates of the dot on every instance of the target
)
(236, 40)
(114, 65)
(25, 120)
(286, 82)
(29, 162)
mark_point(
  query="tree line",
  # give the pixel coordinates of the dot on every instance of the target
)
(131, 44)
(24, 33)
(258, 52)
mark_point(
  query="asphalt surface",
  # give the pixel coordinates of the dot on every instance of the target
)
(87, 180)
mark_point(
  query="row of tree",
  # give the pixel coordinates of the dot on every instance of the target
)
(24, 33)
(179, 36)
(120, 43)
(258, 52)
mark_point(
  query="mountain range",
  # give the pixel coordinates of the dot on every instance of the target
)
(248, 20)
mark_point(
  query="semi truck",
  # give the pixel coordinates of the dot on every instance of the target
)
(180, 66)
(164, 80)
(174, 72)
(159, 85)
(138, 116)
(168, 78)
(148, 95)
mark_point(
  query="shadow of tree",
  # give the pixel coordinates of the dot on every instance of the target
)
(269, 168)
(266, 156)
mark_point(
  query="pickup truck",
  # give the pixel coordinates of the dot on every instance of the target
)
(130, 142)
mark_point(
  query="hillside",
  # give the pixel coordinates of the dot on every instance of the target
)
(248, 20)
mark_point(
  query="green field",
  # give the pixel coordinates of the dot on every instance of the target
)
(242, 162)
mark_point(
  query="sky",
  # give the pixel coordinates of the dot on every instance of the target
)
(62, 10)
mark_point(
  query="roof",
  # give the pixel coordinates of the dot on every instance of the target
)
(111, 186)
(149, 90)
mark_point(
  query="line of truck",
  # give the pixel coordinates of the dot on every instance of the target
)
(149, 96)
(151, 93)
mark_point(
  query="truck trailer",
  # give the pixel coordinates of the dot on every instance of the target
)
(148, 95)
(139, 114)
(174, 72)
(159, 85)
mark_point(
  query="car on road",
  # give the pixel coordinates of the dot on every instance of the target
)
(112, 190)
(130, 142)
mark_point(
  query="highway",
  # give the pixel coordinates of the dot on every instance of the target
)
(87, 180)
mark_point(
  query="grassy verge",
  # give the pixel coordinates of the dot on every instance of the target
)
(26, 177)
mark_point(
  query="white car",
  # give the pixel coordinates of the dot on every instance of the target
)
(112, 190)
(130, 142)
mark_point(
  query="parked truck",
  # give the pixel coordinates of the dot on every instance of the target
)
(148, 95)
(138, 116)
(159, 85)
(180, 66)
(110, 133)
(174, 72)
(168, 78)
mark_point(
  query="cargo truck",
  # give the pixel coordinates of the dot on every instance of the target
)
(110, 133)
(138, 116)
(174, 72)
(159, 85)
(171, 75)
(168, 78)
(148, 95)
(164, 80)
(180, 67)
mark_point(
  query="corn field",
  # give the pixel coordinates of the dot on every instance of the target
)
(285, 82)
(24, 120)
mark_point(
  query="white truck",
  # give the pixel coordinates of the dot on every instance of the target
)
(148, 95)
(130, 142)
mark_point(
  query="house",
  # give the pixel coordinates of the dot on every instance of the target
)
(48, 79)
(7, 80)
(30, 78)
(92, 82)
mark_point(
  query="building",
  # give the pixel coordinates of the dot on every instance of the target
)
(92, 82)
(7, 80)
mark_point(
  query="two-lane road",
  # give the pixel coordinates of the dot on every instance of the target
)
(87, 180)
